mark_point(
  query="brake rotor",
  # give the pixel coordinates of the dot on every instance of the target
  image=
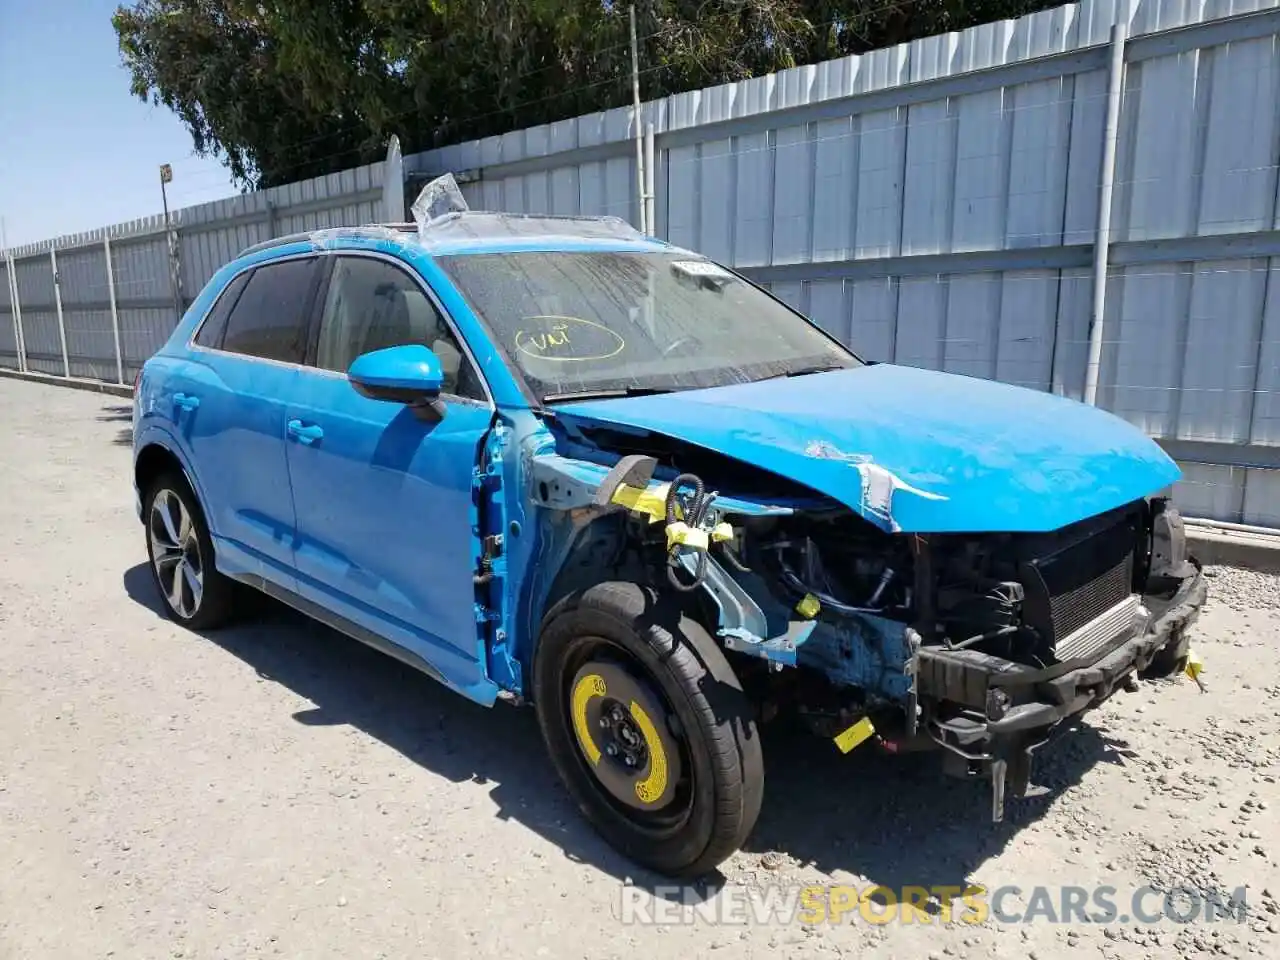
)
(621, 728)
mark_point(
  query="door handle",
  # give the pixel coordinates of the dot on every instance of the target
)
(308, 434)
(185, 401)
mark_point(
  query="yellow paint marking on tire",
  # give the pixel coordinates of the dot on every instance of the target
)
(652, 787)
(592, 685)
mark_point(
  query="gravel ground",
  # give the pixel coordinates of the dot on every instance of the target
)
(277, 790)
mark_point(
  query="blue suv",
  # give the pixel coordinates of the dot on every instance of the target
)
(552, 461)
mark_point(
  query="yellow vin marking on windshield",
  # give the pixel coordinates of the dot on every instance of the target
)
(565, 339)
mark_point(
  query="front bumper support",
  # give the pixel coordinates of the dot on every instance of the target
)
(992, 713)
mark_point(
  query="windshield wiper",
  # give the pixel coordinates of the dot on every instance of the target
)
(606, 394)
(805, 371)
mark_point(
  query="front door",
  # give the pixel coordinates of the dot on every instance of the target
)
(383, 499)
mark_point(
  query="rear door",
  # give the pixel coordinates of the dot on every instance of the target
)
(384, 499)
(230, 403)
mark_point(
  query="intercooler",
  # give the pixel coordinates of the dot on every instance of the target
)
(1080, 598)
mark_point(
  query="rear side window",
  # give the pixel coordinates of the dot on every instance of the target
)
(215, 324)
(270, 318)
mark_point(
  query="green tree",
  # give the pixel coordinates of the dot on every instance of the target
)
(282, 90)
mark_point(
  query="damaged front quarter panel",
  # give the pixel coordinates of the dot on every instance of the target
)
(582, 537)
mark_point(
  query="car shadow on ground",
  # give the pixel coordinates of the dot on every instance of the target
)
(895, 820)
(119, 413)
(115, 413)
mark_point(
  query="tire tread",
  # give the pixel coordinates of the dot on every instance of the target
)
(712, 691)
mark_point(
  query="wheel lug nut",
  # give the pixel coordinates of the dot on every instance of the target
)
(631, 761)
(611, 750)
(604, 722)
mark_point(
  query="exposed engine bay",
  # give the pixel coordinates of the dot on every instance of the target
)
(978, 643)
(1013, 596)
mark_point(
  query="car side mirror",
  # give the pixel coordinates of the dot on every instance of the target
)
(408, 374)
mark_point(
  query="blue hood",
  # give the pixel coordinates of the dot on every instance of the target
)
(915, 450)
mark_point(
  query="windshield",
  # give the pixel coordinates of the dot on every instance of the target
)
(600, 323)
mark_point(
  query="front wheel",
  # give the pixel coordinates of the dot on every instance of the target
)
(648, 728)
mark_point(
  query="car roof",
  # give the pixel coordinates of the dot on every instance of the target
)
(484, 232)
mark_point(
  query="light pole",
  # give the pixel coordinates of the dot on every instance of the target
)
(166, 177)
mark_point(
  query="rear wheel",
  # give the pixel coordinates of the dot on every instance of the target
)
(181, 554)
(649, 728)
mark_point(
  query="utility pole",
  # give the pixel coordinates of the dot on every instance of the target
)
(645, 226)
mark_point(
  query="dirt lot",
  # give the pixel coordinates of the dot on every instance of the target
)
(278, 790)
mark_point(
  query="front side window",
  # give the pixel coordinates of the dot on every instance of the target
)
(581, 324)
(372, 304)
(269, 319)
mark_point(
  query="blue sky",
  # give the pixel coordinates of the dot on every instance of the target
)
(77, 150)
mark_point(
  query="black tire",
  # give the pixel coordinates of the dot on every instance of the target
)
(718, 771)
(216, 601)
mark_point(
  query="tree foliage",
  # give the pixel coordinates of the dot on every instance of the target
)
(282, 90)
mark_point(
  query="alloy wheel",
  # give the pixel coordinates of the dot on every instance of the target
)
(175, 552)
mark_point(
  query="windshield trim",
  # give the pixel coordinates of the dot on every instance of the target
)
(535, 399)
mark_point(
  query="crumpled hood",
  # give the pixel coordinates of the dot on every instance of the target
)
(915, 450)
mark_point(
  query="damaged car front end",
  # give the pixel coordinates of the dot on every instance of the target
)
(894, 555)
(978, 644)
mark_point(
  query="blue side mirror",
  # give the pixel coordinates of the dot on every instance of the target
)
(408, 374)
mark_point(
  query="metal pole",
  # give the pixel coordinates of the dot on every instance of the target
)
(1102, 242)
(115, 316)
(166, 174)
(635, 120)
(57, 300)
(650, 216)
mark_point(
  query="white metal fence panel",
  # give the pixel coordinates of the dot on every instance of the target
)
(141, 283)
(9, 357)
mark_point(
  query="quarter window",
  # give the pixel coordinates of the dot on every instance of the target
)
(371, 305)
(215, 323)
(269, 319)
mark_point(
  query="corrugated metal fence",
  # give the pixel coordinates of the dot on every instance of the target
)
(129, 279)
(935, 204)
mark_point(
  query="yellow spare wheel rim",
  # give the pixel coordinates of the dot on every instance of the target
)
(622, 730)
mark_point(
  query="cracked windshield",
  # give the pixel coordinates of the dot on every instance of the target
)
(584, 325)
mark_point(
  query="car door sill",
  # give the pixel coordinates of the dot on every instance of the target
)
(341, 624)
